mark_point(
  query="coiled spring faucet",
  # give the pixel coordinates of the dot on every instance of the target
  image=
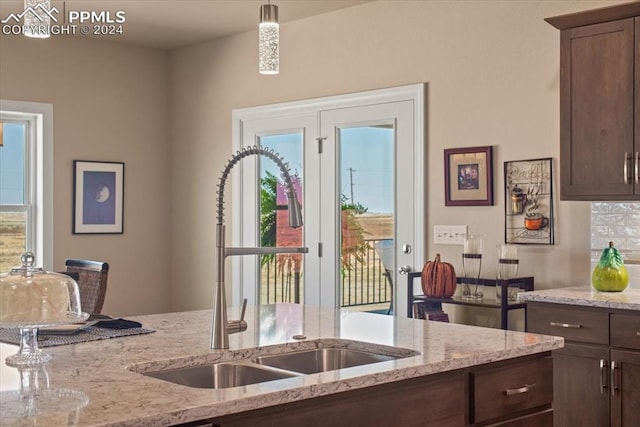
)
(221, 327)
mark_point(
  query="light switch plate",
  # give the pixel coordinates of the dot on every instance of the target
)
(449, 234)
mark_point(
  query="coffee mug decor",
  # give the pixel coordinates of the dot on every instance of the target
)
(535, 221)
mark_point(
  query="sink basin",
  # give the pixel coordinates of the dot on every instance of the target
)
(322, 360)
(220, 375)
(256, 367)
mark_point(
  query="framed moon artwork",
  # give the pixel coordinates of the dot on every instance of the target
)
(98, 197)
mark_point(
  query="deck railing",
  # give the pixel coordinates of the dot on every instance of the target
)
(365, 282)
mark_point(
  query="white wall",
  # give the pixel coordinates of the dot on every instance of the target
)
(110, 103)
(492, 69)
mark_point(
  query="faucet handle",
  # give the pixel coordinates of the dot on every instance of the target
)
(244, 310)
(235, 326)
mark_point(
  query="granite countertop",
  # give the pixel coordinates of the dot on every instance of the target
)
(629, 299)
(117, 396)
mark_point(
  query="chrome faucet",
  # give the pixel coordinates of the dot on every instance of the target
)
(221, 327)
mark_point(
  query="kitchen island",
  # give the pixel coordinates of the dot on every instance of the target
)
(108, 372)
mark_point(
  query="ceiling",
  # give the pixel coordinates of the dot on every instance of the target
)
(169, 24)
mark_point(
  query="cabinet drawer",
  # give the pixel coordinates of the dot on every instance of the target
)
(538, 419)
(587, 326)
(508, 389)
(625, 331)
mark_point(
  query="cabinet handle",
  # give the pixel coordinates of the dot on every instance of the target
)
(637, 167)
(525, 388)
(614, 382)
(565, 325)
(603, 376)
(625, 170)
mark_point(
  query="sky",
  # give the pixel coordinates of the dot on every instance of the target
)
(366, 150)
(12, 164)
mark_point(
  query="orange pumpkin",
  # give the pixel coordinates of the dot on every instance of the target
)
(438, 279)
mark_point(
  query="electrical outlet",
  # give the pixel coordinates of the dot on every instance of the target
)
(449, 234)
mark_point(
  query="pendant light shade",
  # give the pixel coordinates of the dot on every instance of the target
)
(37, 18)
(269, 40)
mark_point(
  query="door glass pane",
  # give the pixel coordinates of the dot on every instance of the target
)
(281, 277)
(13, 220)
(366, 181)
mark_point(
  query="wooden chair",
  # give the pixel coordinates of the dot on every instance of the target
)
(92, 282)
(429, 310)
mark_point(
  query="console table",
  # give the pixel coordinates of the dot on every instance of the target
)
(504, 305)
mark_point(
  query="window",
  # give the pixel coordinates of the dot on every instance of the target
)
(26, 183)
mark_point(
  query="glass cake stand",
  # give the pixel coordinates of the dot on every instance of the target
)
(29, 354)
(32, 298)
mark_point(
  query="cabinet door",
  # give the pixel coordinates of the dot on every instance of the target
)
(597, 111)
(580, 386)
(625, 388)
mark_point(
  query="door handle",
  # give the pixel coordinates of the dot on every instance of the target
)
(603, 376)
(614, 382)
(405, 269)
(565, 325)
(524, 389)
(625, 169)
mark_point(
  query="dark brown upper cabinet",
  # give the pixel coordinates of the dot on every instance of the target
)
(600, 103)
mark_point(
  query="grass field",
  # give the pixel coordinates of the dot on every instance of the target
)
(12, 240)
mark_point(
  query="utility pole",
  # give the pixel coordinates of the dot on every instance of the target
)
(351, 171)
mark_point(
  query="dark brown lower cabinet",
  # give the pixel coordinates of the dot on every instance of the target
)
(580, 386)
(416, 402)
(625, 388)
(597, 373)
(514, 393)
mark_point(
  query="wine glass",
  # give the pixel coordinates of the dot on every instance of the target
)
(508, 263)
(471, 266)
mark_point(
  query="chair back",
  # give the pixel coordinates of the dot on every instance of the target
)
(92, 282)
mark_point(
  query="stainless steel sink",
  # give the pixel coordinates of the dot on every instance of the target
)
(221, 375)
(259, 368)
(322, 360)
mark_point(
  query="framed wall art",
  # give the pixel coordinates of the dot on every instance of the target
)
(529, 201)
(98, 197)
(468, 176)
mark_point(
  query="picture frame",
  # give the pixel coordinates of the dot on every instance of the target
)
(468, 176)
(98, 197)
(528, 186)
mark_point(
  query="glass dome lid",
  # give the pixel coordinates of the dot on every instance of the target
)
(31, 297)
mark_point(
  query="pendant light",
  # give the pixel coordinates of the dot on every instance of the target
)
(269, 40)
(37, 18)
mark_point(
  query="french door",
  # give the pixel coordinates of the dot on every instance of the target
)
(357, 162)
